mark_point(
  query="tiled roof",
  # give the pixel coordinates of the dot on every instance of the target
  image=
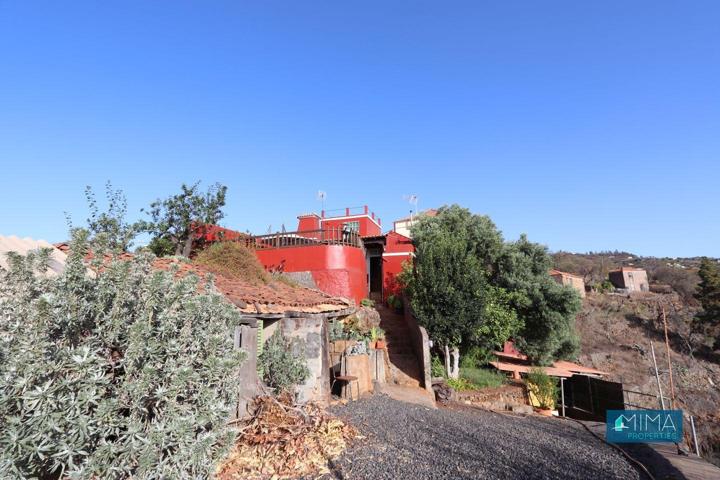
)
(554, 272)
(515, 367)
(270, 298)
(24, 245)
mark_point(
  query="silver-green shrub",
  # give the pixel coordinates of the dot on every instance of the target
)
(127, 372)
(283, 362)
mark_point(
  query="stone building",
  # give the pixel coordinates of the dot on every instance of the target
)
(630, 278)
(565, 278)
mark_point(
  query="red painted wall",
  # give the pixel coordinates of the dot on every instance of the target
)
(337, 270)
(398, 250)
(308, 222)
(367, 227)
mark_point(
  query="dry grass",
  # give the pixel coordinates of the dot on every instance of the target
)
(282, 441)
(233, 260)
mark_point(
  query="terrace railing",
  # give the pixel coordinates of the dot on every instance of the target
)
(328, 236)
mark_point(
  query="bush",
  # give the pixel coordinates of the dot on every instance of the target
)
(283, 362)
(233, 260)
(543, 386)
(482, 377)
(366, 302)
(461, 384)
(476, 357)
(437, 368)
(125, 373)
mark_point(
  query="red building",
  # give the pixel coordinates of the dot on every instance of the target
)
(347, 255)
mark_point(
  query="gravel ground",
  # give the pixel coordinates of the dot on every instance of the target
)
(407, 441)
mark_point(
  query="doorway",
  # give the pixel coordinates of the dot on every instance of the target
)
(375, 274)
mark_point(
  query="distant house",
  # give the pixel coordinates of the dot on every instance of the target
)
(403, 225)
(23, 246)
(630, 278)
(565, 278)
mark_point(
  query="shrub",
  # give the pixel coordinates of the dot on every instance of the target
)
(461, 384)
(543, 386)
(283, 362)
(437, 369)
(605, 287)
(233, 260)
(366, 302)
(476, 357)
(125, 373)
(482, 377)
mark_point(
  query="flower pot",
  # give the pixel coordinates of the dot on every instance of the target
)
(545, 412)
(380, 344)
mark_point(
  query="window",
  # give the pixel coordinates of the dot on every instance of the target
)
(353, 227)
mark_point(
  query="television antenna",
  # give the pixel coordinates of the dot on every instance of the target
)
(321, 196)
(412, 199)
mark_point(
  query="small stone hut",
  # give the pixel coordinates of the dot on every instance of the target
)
(630, 278)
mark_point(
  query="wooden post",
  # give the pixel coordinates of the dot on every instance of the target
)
(562, 394)
(657, 378)
(667, 348)
(694, 434)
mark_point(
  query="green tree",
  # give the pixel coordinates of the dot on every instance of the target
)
(175, 220)
(449, 287)
(548, 309)
(109, 228)
(470, 289)
(708, 293)
(124, 372)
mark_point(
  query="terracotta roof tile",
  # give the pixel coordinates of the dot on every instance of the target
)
(554, 272)
(270, 298)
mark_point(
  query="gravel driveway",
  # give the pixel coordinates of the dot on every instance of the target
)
(407, 441)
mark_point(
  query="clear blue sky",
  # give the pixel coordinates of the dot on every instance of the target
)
(587, 125)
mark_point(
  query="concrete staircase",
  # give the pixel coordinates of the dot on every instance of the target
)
(404, 368)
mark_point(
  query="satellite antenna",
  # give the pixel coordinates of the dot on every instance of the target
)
(412, 199)
(322, 195)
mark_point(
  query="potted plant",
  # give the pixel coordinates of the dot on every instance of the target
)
(542, 388)
(377, 338)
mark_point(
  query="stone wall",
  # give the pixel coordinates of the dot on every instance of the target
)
(421, 346)
(506, 397)
(368, 368)
(312, 329)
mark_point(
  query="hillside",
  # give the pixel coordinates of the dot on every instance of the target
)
(616, 331)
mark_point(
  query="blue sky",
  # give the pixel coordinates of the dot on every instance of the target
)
(586, 125)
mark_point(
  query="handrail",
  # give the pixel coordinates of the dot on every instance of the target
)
(328, 236)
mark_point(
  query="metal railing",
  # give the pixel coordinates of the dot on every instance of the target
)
(327, 236)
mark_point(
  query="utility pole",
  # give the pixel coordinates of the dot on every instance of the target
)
(667, 348)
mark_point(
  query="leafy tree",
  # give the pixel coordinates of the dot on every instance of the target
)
(124, 372)
(471, 289)
(109, 229)
(547, 308)
(449, 285)
(176, 220)
(708, 293)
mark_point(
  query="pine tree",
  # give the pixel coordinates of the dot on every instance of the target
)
(708, 294)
